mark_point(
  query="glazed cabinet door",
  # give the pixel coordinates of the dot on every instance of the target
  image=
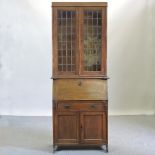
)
(93, 40)
(66, 126)
(65, 40)
(93, 127)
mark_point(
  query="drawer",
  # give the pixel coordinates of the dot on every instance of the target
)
(80, 89)
(84, 106)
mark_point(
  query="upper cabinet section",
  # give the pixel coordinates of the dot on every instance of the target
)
(79, 39)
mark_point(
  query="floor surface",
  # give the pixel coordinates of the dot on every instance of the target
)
(128, 135)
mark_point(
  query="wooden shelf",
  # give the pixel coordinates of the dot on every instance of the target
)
(80, 77)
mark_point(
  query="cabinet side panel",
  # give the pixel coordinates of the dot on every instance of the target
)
(54, 40)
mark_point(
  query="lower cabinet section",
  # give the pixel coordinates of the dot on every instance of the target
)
(78, 127)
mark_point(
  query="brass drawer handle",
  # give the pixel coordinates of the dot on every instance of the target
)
(67, 106)
(93, 106)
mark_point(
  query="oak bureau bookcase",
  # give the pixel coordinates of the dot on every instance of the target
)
(80, 100)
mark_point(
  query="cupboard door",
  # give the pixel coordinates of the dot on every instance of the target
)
(93, 127)
(66, 128)
(93, 40)
(65, 40)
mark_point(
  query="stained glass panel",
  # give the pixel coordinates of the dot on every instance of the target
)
(92, 40)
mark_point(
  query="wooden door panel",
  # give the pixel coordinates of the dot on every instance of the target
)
(67, 127)
(93, 40)
(93, 127)
(65, 41)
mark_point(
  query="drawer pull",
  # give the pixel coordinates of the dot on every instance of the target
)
(93, 106)
(67, 106)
